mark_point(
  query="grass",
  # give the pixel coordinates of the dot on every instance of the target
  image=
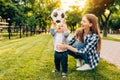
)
(5, 35)
(113, 38)
(32, 58)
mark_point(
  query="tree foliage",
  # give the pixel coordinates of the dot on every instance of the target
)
(19, 11)
(73, 17)
(98, 7)
(114, 22)
(24, 11)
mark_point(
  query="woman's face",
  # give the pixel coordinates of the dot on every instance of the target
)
(85, 24)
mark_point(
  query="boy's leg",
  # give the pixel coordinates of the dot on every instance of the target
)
(57, 60)
(64, 62)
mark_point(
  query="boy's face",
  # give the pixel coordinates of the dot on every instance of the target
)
(60, 29)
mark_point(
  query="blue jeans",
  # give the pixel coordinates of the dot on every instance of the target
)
(61, 58)
(79, 45)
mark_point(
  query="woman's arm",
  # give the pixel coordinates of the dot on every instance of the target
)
(71, 48)
(64, 46)
(72, 41)
(89, 45)
(86, 49)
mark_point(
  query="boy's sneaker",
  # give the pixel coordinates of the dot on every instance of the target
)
(55, 70)
(64, 74)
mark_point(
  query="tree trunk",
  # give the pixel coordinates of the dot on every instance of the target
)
(31, 31)
(26, 30)
(105, 30)
(20, 31)
(9, 31)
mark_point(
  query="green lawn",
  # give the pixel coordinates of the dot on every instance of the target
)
(31, 58)
(113, 38)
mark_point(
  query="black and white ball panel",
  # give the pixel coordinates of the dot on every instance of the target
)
(58, 15)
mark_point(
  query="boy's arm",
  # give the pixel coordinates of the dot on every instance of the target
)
(66, 31)
(52, 29)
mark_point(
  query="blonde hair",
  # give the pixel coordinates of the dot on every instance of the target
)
(79, 34)
(94, 28)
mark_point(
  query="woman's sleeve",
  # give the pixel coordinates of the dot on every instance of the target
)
(89, 46)
(72, 41)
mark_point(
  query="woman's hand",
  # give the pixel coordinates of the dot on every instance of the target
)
(62, 46)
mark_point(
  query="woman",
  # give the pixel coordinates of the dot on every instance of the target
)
(92, 43)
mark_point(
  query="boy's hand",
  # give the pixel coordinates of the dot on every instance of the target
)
(52, 24)
(65, 25)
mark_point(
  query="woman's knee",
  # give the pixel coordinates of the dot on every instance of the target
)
(78, 45)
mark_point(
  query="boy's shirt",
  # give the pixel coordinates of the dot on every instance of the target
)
(59, 38)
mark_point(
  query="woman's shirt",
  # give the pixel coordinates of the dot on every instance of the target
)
(91, 42)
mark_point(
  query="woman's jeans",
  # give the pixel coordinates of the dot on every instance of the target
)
(83, 56)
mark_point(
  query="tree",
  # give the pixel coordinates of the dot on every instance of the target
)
(73, 17)
(114, 22)
(8, 10)
(32, 22)
(98, 7)
(43, 9)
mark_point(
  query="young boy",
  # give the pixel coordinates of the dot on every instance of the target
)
(60, 56)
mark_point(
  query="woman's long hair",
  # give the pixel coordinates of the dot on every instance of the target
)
(94, 28)
(79, 34)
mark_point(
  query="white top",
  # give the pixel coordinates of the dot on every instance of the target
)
(58, 39)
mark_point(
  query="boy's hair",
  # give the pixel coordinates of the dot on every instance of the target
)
(79, 34)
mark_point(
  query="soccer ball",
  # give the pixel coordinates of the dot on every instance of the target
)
(58, 16)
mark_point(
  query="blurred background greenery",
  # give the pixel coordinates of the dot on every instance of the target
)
(27, 17)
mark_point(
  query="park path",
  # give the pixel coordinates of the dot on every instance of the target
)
(111, 52)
